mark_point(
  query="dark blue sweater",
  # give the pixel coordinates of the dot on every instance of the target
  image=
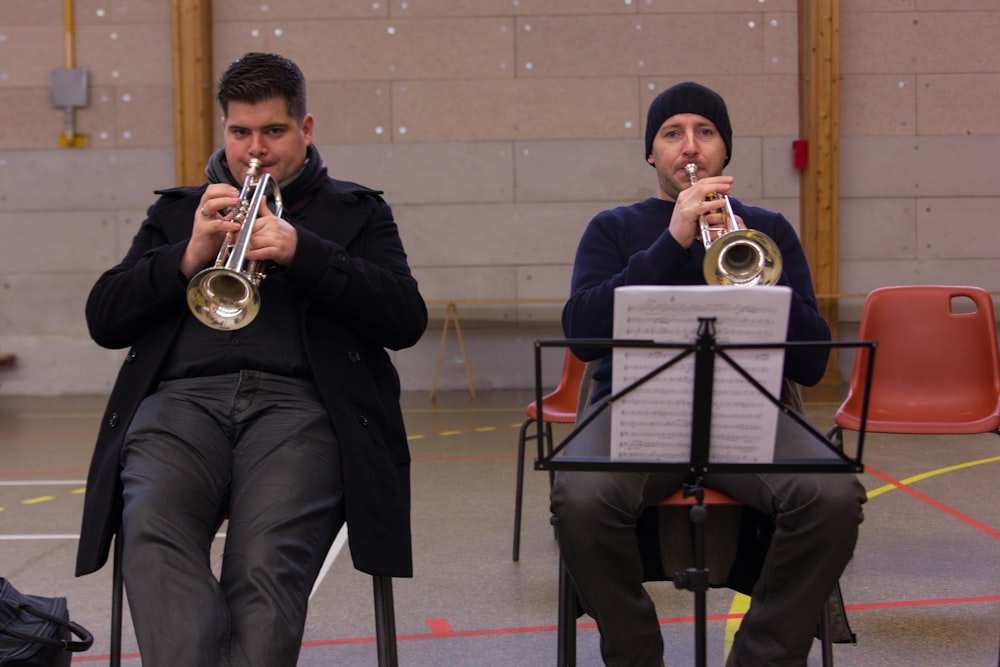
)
(630, 245)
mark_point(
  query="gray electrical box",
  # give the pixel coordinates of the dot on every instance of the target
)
(68, 88)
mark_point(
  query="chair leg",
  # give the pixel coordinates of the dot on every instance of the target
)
(117, 587)
(826, 642)
(835, 435)
(566, 632)
(519, 491)
(549, 445)
(385, 622)
(522, 439)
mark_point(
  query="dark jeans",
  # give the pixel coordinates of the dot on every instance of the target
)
(259, 450)
(595, 513)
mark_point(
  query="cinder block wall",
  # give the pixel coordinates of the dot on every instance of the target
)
(497, 128)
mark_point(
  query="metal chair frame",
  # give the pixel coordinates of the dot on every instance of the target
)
(558, 407)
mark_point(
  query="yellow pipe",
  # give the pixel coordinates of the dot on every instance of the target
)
(68, 14)
(70, 138)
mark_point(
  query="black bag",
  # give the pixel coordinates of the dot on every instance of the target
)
(35, 631)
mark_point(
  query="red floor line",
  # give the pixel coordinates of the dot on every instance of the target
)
(484, 457)
(105, 657)
(441, 628)
(922, 603)
(978, 525)
(450, 633)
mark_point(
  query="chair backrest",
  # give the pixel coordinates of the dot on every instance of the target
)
(560, 405)
(936, 362)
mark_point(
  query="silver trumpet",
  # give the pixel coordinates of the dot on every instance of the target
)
(735, 256)
(226, 296)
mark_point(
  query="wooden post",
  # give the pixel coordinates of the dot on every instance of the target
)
(193, 88)
(819, 125)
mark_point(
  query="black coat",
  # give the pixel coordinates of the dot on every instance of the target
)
(360, 300)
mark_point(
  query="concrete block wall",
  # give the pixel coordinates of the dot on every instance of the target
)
(497, 128)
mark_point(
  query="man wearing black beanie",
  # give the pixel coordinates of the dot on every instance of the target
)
(815, 516)
(689, 97)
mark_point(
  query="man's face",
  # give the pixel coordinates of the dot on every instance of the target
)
(265, 131)
(682, 139)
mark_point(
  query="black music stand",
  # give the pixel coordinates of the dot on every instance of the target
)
(828, 458)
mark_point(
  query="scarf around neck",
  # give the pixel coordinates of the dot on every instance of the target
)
(296, 192)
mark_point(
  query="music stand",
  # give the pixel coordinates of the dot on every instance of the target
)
(705, 350)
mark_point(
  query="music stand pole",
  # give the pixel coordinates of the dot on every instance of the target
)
(695, 579)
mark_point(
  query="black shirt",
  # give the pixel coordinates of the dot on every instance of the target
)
(271, 343)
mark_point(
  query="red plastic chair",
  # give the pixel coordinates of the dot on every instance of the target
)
(937, 366)
(559, 407)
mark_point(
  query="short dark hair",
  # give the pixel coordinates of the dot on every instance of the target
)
(257, 77)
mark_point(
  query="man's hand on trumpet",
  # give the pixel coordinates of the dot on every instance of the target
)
(700, 203)
(212, 220)
(273, 239)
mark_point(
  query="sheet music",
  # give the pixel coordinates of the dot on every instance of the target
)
(654, 421)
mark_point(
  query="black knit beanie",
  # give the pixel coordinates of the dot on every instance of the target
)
(689, 97)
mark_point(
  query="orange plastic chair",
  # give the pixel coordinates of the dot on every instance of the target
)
(936, 364)
(559, 407)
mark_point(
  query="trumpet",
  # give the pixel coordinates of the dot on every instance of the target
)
(225, 296)
(735, 256)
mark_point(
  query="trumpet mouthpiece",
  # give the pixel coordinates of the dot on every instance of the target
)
(691, 169)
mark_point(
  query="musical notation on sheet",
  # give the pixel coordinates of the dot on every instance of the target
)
(653, 422)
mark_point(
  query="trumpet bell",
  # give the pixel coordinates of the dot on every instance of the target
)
(225, 296)
(743, 258)
(223, 299)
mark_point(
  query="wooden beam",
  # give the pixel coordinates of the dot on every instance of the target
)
(193, 88)
(819, 126)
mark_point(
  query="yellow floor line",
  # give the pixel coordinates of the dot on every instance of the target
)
(741, 603)
(932, 473)
(739, 606)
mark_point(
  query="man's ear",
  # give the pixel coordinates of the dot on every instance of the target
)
(649, 159)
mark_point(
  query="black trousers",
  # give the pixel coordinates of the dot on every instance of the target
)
(258, 450)
(816, 527)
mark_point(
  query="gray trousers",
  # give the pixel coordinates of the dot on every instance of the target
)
(816, 514)
(259, 450)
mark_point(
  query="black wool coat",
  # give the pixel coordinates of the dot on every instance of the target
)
(359, 300)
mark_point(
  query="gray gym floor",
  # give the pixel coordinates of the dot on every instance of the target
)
(923, 588)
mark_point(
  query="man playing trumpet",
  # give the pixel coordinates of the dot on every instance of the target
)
(287, 427)
(816, 515)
